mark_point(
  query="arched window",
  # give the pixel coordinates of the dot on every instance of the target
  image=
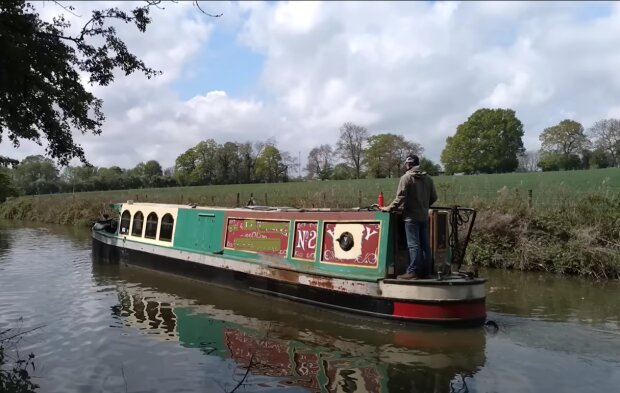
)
(151, 226)
(167, 224)
(125, 221)
(138, 219)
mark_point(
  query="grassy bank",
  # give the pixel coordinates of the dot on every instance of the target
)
(565, 222)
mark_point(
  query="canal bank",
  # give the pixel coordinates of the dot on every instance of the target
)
(578, 237)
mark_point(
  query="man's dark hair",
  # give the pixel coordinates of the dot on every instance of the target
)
(412, 160)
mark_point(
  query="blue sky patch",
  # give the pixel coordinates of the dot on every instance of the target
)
(222, 64)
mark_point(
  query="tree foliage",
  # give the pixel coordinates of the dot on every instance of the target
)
(427, 165)
(320, 162)
(15, 376)
(351, 145)
(562, 146)
(7, 188)
(36, 175)
(488, 142)
(342, 172)
(528, 161)
(270, 166)
(606, 137)
(41, 91)
(386, 153)
(565, 138)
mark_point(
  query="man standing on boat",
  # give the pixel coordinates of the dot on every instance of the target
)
(415, 194)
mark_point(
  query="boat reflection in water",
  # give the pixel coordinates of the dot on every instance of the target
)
(300, 345)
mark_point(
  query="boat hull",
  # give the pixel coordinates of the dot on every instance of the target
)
(443, 303)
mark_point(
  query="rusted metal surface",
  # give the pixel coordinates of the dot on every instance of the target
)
(393, 289)
(323, 282)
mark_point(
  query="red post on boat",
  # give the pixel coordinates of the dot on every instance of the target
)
(380, 199)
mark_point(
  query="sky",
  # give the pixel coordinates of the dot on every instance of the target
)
(296, 71)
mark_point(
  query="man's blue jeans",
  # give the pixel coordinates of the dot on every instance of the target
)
(419, 247)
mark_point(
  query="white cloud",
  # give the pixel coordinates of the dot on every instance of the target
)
(414, 68)
(420, 69)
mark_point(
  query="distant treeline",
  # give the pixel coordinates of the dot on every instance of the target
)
(357, 155)
(490, 141)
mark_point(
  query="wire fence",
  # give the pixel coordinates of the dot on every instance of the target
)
(539, 190)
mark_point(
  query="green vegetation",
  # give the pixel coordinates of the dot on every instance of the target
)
(572, 226)
(14, 374)
(490, 141)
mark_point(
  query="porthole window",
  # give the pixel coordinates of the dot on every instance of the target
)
(167, 224)
(138, 220)
(125, 221)
(151, 226)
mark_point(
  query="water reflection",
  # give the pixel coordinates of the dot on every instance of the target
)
(293, 345)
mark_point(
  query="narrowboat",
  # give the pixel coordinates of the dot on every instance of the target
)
(343, 259)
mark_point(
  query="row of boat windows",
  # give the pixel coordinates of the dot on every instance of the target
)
(165, 231)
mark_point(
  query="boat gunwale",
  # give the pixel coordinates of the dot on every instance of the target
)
(388, 281)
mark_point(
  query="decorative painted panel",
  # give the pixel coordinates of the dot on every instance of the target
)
(307, 366)
(305, 240)
(352, 244)
(268, 356)
(262, 236)
(340, 371)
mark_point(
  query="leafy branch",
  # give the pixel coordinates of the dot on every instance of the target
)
(41, 70)
(16, 378)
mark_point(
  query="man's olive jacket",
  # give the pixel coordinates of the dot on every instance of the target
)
(415, 194)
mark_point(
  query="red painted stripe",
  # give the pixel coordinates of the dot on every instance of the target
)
(440, 311)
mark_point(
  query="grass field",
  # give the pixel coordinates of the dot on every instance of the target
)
(549, 189)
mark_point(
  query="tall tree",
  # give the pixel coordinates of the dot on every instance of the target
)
(562, 145)
(601, 159)
(111, 178)
(342, 172)
(269, 164)
(227, 164)
(36, 175)
(488, 142)
(528, 161)
(247, 157)
(152, 168)
(78, 178)
(386, 153)
(289, 163)
(350, 146)
(198, 164)
(606, 137)
(185, 168)
(565, 138)
(7, 188)
(427, 165)
(320, 162)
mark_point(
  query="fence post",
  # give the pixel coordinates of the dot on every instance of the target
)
(238, 200)
(359, 199)
(529, 198)
(324, 200)
(266, 201)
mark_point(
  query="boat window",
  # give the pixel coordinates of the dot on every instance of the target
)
(138, 219)
(167, 223)
(151, 226)
(125, 221)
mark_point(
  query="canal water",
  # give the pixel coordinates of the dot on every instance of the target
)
(111, 328)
